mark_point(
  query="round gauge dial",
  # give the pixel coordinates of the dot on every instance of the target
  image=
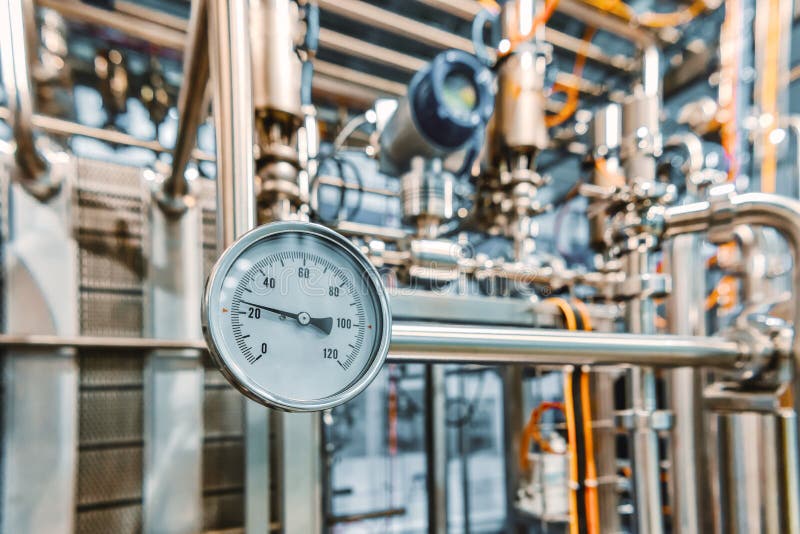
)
(296, 317)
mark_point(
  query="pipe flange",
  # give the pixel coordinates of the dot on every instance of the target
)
(643, 286)
(763, 346)
(527, 176)
(720, 199)
(45, 179)
(633, 420)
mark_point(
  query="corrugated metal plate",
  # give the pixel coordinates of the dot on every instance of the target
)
(116, 520)
(223, 412)
(111, 416)
(111, 263)
(108, 475)
(223, 511)
(111, 314)
(111, 234)
(118, 180)
(96, 205)
(223, 465)
(105, 369)
(213, 378)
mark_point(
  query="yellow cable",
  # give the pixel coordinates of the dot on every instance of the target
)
(769, 97)
(650, 19)
(729, 53)
(668, 20)
(532, 432)
(569, 412)
(490, 5)
(584, 312)
(615, 7)
(569, 107)
(592, 501)
(566, 310)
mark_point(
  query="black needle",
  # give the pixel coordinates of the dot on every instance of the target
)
(324, 324)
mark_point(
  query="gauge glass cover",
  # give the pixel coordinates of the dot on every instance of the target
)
(296, 317)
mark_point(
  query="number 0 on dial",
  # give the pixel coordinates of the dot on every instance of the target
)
(296, 317)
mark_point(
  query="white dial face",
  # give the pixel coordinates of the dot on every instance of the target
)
(297, 319)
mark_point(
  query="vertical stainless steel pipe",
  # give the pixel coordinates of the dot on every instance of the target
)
(641, 144)
(190, 104)
(436, 448)
(230, 67)
(788, 460)
(17, 24)
(689, 483)
(229, 54)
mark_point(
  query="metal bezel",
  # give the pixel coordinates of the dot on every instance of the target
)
(234, 372)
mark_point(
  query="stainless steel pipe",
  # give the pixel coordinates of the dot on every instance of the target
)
(57, 126)
(472, 344)
(229, 53)
(689, 485)
(17, 21)
(783, 215)
(754, 209)
(466, 344)
(190, 105)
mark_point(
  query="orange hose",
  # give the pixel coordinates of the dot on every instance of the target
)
(571, 323)
(571, 104)
(667, 20)
(769, 97)
(566, 310)
(583, 310)
(531, 431)
(491, 5)
(615, 7)
(614, 178)
(724, 290)
(592, 501)
(730, 53)
(569, 411)
(650, 19)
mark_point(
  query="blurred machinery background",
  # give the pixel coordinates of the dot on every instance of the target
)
(519, 171)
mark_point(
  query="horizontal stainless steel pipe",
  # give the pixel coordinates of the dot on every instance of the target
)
(57, 126)
(473, 344)
(478, 345)
(37, 341)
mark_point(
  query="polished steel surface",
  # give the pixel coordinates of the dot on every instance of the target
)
(229, 52)
(58, 127)
(690, 489)
(366, 50)
(173, 384)
(17, 26)
(470, 344)
(190, 104)
(436, 448)
(40, 296)
(275, 28)
(147, 30)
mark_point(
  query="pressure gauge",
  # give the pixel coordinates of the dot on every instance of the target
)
(296, 317)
